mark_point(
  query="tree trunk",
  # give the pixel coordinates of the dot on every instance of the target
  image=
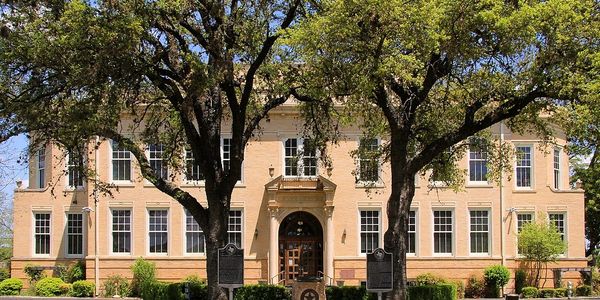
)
(213, 243)
(396, 236)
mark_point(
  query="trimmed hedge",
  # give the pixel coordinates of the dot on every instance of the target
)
(547, 293)
(530, 292)
(10, 287)
(82, 288)
(175, 290)
(561, 292)
(49, 287)
(432, 292)
(584, 290)
(262, 292)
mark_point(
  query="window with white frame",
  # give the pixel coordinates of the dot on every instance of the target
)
(121, 231)
(522, 219)
(234, 228)
(192, 169)
(369, 230)
(442, 231)
(523, 168)
(558, 219)
(75, 234)
(300, 157)
(226, 154)
(74, 169)
(480, 231)
(121, 163)
(477, 164)
(412, 232)
(368, 161)
(556, 163)
(194, 237)
(157, 162)
(41, 167)
(158, 230)
(42, 233)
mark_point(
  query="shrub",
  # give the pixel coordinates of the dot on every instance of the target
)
(4, 274)
(276, 292)
(561, 292)
(547, 293)
(65, 288)
(530, 292)
(346, 293)
(520, 279)
(584, 290)
(175, 291)
(429, 279)
(34, 272)
(155, 291)
(432, 292)
(60, 271)
(496, 277)
(144, 273)
(460, 288)
(49, 287)
(75, 272)
(475, 288)
(196, 287)
(116, 285)
(82, 288)
(10, 287)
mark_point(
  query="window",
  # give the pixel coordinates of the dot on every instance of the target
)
(477, 164)
(480, 231)
(522, 219)
(42, 233)
(75, 234)
(523, 168)
(74, 172)
(369, 230)
(226, 155)
(121, 163)
(412, 232)
(234, 228)
(556, 169)
(368, 161)
(194, 237)
(558, 219)
(442, 232)
(121, 231)
(192, 169)
(300, 158)
(158, 230)
(157, 163)
(41, 167)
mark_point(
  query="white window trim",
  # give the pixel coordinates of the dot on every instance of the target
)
(527, 212)
(558, 186)
(241, 180)
(531, 167)
(184, 239)
(110, 167)
(69, 187)
(184, 180)
(300, 148)
(33, 233)
(131, 231)
(83, 234)
(39, 182)
(476, 182)
(416, 253)
(358, 229)
(364, 183)
(243, 225)
(147, 231)
(453, 243)
(147, 154)
(489, 232)
(566, 234)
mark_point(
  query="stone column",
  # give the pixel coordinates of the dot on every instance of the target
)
(273, 246)
(329, 244)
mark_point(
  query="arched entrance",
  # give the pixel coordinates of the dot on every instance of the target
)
(300, 246)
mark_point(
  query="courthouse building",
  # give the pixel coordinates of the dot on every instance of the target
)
(291, 215)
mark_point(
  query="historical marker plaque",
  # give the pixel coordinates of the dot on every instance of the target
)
(231, 265)
(380, 275)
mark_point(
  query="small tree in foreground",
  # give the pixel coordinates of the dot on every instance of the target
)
(540, 243)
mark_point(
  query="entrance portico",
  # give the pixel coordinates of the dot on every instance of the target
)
(294, 200)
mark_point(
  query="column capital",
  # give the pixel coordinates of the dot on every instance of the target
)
(273, 211)
(328, 210)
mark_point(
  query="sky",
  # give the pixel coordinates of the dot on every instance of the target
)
(13, 165)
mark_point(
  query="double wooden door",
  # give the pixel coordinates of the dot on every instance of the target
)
(300, 257)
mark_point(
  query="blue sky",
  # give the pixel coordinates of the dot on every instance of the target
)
(12, 164)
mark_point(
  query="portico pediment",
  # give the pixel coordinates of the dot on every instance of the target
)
(317, 188)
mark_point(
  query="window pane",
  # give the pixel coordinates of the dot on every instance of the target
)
(369, 230)
(121, 163)
(234, 231)
(42, 233)
(194, 237)
(442, 236)
(121, 231)
(75, 234)
(479, 225)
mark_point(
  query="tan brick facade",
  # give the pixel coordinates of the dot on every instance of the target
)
(334, 199)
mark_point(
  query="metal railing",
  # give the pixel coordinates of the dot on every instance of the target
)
(278, 275)
(324, 276)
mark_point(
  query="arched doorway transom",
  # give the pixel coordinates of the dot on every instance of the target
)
(300, 246)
